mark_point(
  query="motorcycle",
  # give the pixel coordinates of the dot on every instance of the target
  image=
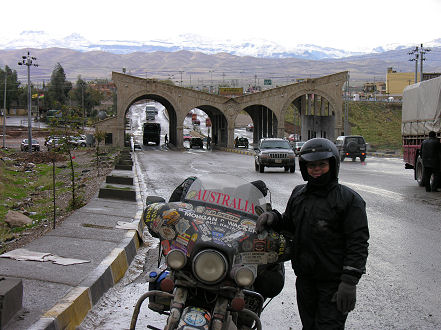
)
(218, 271)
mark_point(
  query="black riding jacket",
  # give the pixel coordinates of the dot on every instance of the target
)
(330, 232)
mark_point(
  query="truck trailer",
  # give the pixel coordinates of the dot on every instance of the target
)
(421, 114)
(151, 133)
(150, 112)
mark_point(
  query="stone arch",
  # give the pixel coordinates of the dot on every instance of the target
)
(180, 100)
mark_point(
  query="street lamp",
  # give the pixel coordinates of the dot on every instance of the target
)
(28, 61)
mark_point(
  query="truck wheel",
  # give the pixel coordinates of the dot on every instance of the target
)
(362, 158)
(419, 171)
(292, 169)
(261, 168)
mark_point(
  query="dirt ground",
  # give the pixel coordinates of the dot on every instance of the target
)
(88, 182)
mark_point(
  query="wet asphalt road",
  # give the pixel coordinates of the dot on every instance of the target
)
(402, 286)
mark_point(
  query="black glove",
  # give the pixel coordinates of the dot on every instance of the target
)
(265, 221)
(345, 297)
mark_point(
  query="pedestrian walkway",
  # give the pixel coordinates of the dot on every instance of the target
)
(59, 296)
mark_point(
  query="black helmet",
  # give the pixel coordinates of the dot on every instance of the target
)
(317, 149)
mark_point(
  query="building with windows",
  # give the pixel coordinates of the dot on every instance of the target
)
(397, 81)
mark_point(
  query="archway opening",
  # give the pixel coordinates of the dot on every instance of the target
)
(150, 109)
(243, 130)
(309, 116)
(213, 124)
(264, 122)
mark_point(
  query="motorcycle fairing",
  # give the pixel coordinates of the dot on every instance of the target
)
(184, 226)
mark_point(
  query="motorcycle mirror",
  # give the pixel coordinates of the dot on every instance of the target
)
(154, 199)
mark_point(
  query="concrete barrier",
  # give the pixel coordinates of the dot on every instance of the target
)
(11, 298)
(117, 191)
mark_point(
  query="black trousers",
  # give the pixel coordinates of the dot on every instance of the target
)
(428, 171)
(316, 309)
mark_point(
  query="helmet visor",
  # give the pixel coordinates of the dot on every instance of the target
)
(315, 154)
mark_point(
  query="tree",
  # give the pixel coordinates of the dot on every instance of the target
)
(71, 125)
(84, 95)
(99, 136)
(59, 87)
(12, 87)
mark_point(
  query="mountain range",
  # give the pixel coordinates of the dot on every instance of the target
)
(196, 60)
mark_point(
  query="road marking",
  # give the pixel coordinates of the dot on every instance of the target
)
(377, 191)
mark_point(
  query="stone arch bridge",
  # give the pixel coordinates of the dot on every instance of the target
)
(319, 102)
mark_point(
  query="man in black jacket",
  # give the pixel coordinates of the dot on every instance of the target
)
(329, 226)
(430, 153)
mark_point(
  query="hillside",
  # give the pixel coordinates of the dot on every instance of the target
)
(203, 69)
(378, 122)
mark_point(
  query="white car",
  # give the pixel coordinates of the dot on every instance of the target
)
(79, 141)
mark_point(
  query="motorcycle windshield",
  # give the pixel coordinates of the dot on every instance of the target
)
(228, 192)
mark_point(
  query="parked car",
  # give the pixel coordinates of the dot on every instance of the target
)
(24, 146)
(78, 141)
(351, 146)
(241, 142)
(54, 143)
(187, 137)
(274, 152)
(297, 146)
(250, 127)
(196, 142)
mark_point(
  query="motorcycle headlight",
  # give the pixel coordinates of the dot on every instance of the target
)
(176, 259)
(243, 276)
(210, 266)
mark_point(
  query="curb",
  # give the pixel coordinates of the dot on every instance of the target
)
(71, 310)
(238, 151)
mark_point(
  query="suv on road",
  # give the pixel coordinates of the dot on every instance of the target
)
(351, 146)
(196, 142)
(241, 142)
(274, 152)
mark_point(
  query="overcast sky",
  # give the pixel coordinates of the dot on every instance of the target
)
(345, 24)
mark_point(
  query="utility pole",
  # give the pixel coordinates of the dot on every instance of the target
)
(181, 77)
(422, 58)
(4, 110)
(346, 123)
(415, 52)
(28, 61)
(211, 80)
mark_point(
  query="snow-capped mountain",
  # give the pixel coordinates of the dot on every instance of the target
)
(190, 42)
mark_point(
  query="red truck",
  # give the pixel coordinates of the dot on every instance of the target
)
(421, 114)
